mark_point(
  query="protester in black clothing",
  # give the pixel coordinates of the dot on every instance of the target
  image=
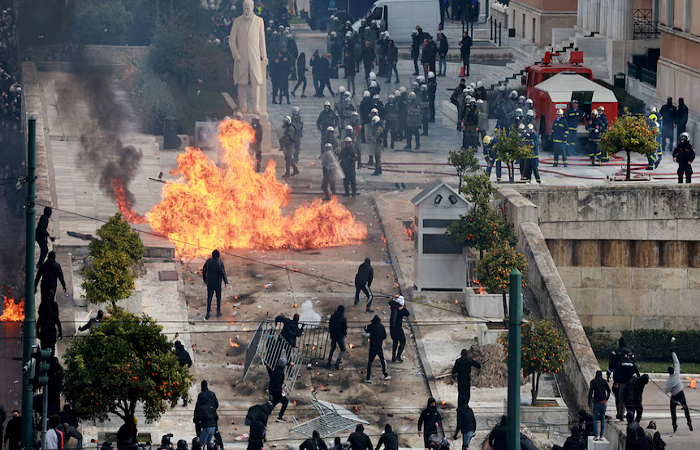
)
(621, 376)
(43, 236)
(432, 419)
(184, 359)
(213, 274)
(631, 431)
(443, 48)
(634, 394)
(466, 424)
(465, 46)
(69, 416)
(398, 312)
(642, 441)
(126, 435)
(285, 71)
(684, 155)
(363, 282)
(681, 118)
(338, 330)
(96, 321)
(498, 436)
(389, 439)
(462, 371)
(13, 432)
(616, 356)
(324, 67)
(276, 388)
(668, 121)
(658, 442)
(431, 56)
(367, 58)
(301, 72)
(256, 418)
(377, 334)
(314, 442)
(49, 274)
(598, 395)
(49, 329)
(205, 415)
(575, 441)
(291, 329)
(316, 69)
(359, 440)
(350, 70)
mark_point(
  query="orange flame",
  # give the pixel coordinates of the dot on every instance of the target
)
(351, 345)
(11, 311)
(123, 204)
(481, 289)
(693, 384)
(231, 343)
(235, 207)
(323, 388)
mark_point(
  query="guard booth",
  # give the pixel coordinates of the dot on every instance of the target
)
(441, 263)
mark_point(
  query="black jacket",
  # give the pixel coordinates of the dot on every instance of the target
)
(291, 330)
(338, 325)
(397, 315)
(42, 229)
(466, 45)
(276, 380)
(49, 274)
(430, 417)
(377, 333)
(574, 443)
(682, 114)
(599, 390)
(497, 438)
(668, 115)
(365, 273)
(367, 57)
(183, 357)
(350, 66)
(617, 354)
(13, 433)
(313, 443)
(393, 54)
(684, 153)
(635, 390)
(214, 273)
(465, 420)
(390, 441)
(315, 63)
(205, 410)
(359, 441)
(625, 371)
(444, 47)
(463, 369)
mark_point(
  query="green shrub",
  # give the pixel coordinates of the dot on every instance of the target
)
(158, 103)
(601, 341)
(102, 23)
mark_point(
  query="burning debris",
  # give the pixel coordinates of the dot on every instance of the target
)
(232, 344)
(693, 384)
(235, 207)
(481, 289)
(11, 310)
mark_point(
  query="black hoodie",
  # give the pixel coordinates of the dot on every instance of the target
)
(465, 420)
(389, 439)
(616, 356)
(359, 440)
(257, 417)
(338, 324)
(377, 333)
(205, 410)
(365, 273)
(397, 315)
(431, 417)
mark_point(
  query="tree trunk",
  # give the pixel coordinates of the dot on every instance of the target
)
(459, 186)
(535, 387)
(481, 255)
(505, 306)
(511, 172)
(629, 164)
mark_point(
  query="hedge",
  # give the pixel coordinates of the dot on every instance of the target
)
(648, 345)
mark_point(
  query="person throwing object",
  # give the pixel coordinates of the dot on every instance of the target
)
(674, 386)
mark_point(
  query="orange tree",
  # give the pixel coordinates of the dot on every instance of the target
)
(493, 271)
(629, 133)
(510, 147)
(544, 350)
(123, 361)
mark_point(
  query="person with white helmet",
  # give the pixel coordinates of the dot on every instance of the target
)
(392, 58)
(413, 120)
(239, 115)
(330, 167)
(327, 118)
(345, 112)
(595, 130)
(372, 76)
(329, 138)
(684, 155)
(432, 91)
(401, 103)
(367, 57)
(348, 157)
(518, 118)
(374, 88)
(456, 99)
(573, 117)
(481, 92)
(483, 118)
(375, 139)
(420, 79)
(287, 146)
(255, 147)
(365, 108)
(492, 157)
(560, 133)
(530, 118)
(392, 120)
(529, 104)
(298, 123)
(416, 41)
(348, 131)
(424, 99)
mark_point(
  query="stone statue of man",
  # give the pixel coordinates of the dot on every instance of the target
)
(247, 42)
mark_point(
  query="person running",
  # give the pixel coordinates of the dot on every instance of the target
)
(363, 282)
(359, 440)
(398, 312)
(674, 386)
(301, 73)
(377, 335)
(276, 388)
(184, 359)
(466, 424)
(205, 416)
(462, 371)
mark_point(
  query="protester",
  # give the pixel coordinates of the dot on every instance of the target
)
(127, 433)
(466, 424)
(465, 49)
(256, 146)
(301, 72)
(213, 273)
(392, 60)
(462, 372)
(49, 274)
(631, 430)
(377, 335)
(624, 372)
(96, 321)
(276, 388)
(430, 421)
(681, 118)
(49, 327)
(205, 415)
(314, 442)
(398, 312)
(363, 282)
(359, 440)
(634, 393)
(598, 395)
(43, 236)
(184, 359)
(674, 386)
(389, 439)
(338, 330)
(256, 418)
(291, 329)
(575, 441)
(13, 432)
(54, 438)
(498, 436)
(442, 55)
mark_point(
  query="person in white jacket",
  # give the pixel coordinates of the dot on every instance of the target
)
(674, 386)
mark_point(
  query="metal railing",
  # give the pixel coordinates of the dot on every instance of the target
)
(648, 77)
(644, 25)
(633, 70)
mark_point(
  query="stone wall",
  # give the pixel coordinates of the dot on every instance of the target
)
(550, 292)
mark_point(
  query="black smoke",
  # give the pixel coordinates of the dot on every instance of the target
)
(102, 150)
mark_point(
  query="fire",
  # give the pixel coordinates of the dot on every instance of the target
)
(11, 311)
(235, 207)
(323, 388)
(231, 343)
(123, 204)
(693, 384)
(481, 289)
(351, 345)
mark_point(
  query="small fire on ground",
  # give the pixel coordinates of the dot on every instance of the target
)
(11, 310)
(232, 344)
(693, 384)
(234, 207)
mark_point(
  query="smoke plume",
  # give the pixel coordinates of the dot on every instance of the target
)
(102, 151)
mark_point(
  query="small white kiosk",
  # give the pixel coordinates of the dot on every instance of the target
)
(442, 263)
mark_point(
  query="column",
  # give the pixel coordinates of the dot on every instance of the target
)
(594, 15)
(585, 20)
(621, 24)
(603, 14)
(579, 13)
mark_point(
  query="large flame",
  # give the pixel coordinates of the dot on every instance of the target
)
(235, 207)
(123, 204)
(12, 311)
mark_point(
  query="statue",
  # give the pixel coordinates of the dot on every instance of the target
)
(247, 42)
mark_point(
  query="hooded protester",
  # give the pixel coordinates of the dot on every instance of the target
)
(213, 274)
(55, 439)
(291, 330)
(184, 359)
(48, 325)
(13, 432)
(49, 274)
(621, 376)
(432, 419)
(377, 334)
(631, 431)
(634, 393)
(575, 441)
(205, 416)
(276, 388)
(681, 118)
(314, 442)
(398, 312)
(338, 330)
(256, 418)
(389, 439)
(359, 440)
(659, 443)
(466, 424)
(642, 441)
(43, 236)
(674, 386)
(526, 443)
(462, 371)
(498, 436)
(363, 282)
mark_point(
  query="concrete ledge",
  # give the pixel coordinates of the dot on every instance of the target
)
(450, 111)
(82, 251)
